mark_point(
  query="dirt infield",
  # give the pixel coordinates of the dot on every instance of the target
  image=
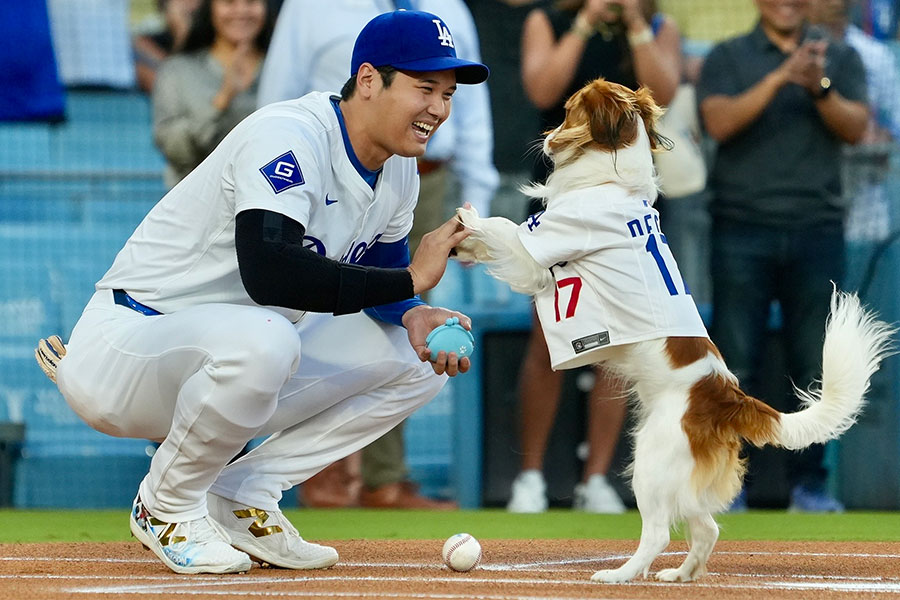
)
(512, 569)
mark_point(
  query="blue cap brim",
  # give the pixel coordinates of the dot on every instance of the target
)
(467, 72)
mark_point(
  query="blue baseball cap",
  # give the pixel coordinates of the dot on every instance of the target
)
(412, 40)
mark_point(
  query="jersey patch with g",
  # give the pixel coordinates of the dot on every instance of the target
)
(283, 172)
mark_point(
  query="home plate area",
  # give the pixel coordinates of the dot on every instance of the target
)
(511, 570)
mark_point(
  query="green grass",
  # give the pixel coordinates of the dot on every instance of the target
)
(99, 526)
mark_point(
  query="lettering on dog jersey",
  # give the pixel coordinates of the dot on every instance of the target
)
(645, 226)
(649, 227)
(534, 220)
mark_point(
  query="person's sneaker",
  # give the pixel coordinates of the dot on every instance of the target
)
(267, 536)
(805, 499)
(197, 546)
(529, 493)
(597, 496)
(739, 504)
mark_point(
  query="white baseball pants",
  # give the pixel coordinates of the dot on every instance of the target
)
(205, 380)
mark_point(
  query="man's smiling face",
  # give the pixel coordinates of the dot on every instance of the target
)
(411, 109)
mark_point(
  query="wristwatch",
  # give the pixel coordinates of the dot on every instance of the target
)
(824, 88)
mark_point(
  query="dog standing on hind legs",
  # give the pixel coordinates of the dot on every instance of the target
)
(608, 290)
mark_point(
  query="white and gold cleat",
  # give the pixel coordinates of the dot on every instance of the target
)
(267, 536)
(197, 546)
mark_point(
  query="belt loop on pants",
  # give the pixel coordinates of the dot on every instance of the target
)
(429, 166)
(122, 298)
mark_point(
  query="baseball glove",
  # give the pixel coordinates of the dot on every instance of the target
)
(48, 354)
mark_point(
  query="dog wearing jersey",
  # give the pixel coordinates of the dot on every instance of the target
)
(607, 290)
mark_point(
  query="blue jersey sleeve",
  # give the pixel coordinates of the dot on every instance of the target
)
(390, 255)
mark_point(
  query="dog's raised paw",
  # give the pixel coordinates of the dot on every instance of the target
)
(467, 216)
(471, 250)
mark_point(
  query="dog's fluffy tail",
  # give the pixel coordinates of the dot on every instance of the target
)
(855, 343)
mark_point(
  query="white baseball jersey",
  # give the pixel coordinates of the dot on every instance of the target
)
(616, 280)
(290, 158)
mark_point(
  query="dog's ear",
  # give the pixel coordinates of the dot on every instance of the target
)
(651, 112)
(611, 114)
(574, 134)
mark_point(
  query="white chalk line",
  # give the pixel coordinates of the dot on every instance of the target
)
(207, 588)
(238, 579)
(485, 567)
(201, 584)
(198, 585)
(825, 554)
(77, 560)
(381, 594)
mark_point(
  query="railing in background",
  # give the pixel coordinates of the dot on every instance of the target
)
(70, 195)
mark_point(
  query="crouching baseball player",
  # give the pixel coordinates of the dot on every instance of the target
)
(198, 335)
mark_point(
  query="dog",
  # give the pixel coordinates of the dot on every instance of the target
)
(607, 290)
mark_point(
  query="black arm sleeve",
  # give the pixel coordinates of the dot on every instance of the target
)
(278, 271)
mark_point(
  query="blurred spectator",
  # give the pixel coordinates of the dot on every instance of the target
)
(878, 18)
(499, 25)
(869, 215)
(310, 51)
(30, 89)
(565, 45)
(209, 86)
(709, 21)
(882, 76)
(780, 101)
(153, 47)
(92, 43)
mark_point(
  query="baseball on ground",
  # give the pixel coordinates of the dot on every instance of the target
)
(461, 552)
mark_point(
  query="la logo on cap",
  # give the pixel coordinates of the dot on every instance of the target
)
(443, 34)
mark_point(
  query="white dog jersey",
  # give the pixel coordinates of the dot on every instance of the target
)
(616, 282)
(289, 158)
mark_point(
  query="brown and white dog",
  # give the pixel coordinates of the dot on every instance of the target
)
(693, 416)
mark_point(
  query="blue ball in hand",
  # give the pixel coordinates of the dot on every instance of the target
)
(450, 337)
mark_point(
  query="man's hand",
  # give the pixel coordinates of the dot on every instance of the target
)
(238, 75)
(806, 65)
(419, 321)
(430, 261)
